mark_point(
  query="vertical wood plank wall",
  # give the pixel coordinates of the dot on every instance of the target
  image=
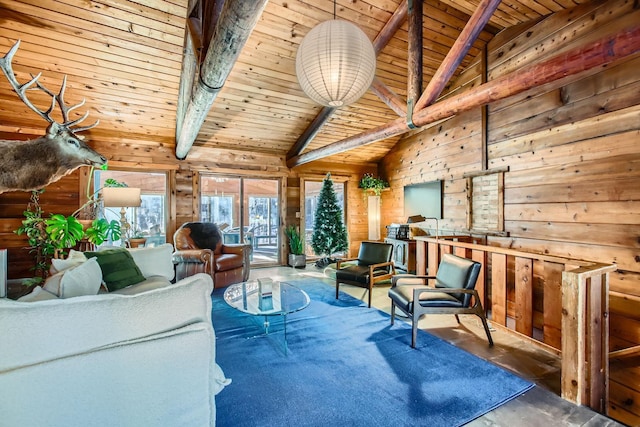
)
(572, 186)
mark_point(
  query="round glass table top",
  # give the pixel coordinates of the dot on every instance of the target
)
(266, 298)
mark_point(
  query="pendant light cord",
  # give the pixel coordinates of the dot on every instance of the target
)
(334, 9)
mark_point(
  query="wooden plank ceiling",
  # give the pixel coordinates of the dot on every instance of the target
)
(124, 57)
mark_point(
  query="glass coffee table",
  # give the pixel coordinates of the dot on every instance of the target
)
(267, 299)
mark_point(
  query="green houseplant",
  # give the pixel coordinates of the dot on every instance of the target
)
(370, 183)
(50, 237)
(297, 257)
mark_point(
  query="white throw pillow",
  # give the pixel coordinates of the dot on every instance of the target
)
(37, 294)
(85, 279)
(155, 261)
(74, 259)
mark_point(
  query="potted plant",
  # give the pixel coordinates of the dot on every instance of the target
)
(297, 257)
(370, 183)
(50, 237)
(66, 232)
(136, 240)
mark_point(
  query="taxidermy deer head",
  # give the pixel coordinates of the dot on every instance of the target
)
(33, 164)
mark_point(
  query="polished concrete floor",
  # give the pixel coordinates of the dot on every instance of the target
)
(541, 406)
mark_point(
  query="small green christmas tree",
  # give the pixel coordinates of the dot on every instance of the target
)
(329, 233)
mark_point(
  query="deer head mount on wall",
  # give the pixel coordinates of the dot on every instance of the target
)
(35, 163)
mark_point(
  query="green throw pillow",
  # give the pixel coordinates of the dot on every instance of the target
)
(118, 268)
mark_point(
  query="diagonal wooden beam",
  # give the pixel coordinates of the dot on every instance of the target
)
(574, 61)
(458, 51)
(311, 131)
(390, 27)
(381, 40)
(235, 24)
(389, 97)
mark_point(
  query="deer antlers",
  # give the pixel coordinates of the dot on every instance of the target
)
(21, 89)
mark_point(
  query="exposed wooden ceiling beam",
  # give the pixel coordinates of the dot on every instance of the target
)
(389, 97)
(235, 24)
(381, 40)
(575, 61)
(458, 51)
(414, 59)
(414, 65)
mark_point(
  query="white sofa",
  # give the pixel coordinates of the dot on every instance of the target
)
(139, 359)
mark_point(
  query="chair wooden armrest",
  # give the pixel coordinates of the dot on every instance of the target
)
(373, 267)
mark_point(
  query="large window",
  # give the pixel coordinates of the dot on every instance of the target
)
(149, 220)
(218, 209)
(246, 210)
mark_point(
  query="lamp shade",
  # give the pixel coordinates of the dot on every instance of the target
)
(121, 197)
(335, 63)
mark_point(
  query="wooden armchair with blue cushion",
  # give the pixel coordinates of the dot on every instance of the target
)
(451, 293)
(372, 266)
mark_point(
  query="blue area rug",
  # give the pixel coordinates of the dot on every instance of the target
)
(347, 366)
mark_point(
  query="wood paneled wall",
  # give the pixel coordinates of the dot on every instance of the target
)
(572, 150)
(63, 196)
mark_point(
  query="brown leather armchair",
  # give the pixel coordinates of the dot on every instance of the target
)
(200, 249)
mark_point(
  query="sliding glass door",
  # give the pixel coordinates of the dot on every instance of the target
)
(246, 210)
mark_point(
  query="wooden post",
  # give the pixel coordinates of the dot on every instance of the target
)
(552, 325)
(481, 284)
(585, 336)
(499, 288)
(414, 60)
(524, 296)
(421, 257)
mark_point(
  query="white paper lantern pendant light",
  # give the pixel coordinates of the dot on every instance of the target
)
(335, 63)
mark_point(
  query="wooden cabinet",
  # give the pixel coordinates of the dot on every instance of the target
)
(404, 254)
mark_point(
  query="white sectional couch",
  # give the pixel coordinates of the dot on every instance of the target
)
(143, 357)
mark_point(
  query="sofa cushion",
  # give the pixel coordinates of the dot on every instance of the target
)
(155, 261)
(83, 279)
(37, 294)
(226, 262)
(151, 282)
(74, 259)
(119, 270)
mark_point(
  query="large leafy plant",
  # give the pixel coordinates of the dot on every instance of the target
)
(50, 237)
(296, 246)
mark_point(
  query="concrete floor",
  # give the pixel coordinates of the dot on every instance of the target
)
(541, 406)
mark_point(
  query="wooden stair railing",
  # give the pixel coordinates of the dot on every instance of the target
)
(573, 320)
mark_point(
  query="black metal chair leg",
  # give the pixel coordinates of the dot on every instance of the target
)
(393, 312)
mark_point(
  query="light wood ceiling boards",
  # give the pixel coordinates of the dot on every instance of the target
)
(124, 57)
